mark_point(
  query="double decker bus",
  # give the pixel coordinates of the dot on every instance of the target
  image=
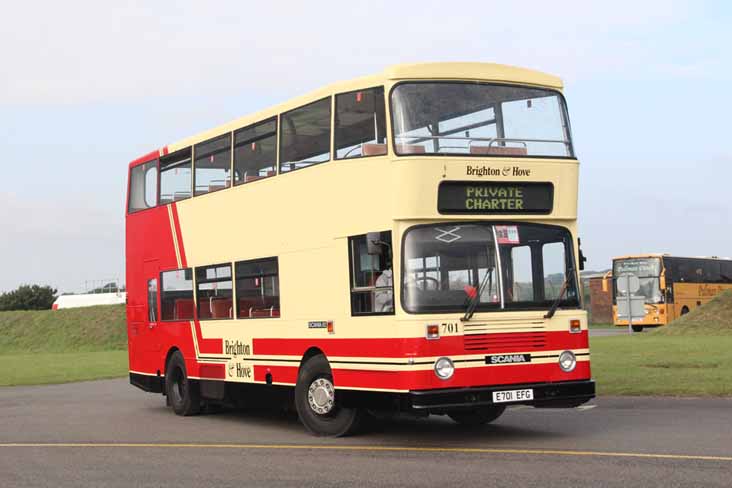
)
(402, 242)
(670, 285)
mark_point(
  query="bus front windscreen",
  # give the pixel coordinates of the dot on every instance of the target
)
(447, 267)
(479, 119)
(648, 271)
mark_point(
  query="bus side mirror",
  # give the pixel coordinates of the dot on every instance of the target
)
(582, 257)
(373, 243)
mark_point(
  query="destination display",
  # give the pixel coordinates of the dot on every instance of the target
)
(495, 197)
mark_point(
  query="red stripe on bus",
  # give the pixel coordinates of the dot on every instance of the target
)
(420, 346)
(280, 374)
(464, 376)
(212, 371)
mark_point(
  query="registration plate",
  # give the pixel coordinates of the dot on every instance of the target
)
(513, 395)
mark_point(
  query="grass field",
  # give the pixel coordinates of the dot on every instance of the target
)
(689, 357)
(652, 364)
(45, 368)
(39, 347)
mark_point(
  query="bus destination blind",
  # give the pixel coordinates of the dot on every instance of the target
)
(480, 197)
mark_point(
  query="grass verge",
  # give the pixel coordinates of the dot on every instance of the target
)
(46, 368)
(60, 346)
(652, 364)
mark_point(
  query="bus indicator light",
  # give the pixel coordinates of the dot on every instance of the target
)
(433, 331)
(330, 327)
(574, 326)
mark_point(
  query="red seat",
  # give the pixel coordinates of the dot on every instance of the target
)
(183, 309)
(410, 149)
(373, 149)
(220, 308)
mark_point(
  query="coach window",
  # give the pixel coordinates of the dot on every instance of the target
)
(175, 176)
(258, 288)
(554, 263)
(305, 136)
(372, 283)
(143, 187)
(725, 272)
(213, 164)
(520, 277)
(176, 294)
(360, 124)
(255, 152)
(214, 292)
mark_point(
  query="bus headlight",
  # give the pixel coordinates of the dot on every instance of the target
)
(444, 369)
(567, 361)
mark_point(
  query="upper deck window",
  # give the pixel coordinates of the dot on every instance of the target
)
(305, 136)
(255, 152)
(213, 164)
(175, 176)
(143, 186)
(446, 118)
(360, 124)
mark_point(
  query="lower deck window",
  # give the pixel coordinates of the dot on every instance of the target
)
(372, 289)
(214, 292)
(176, 294)
(258, 288)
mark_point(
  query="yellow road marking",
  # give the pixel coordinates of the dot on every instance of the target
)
(458, 450)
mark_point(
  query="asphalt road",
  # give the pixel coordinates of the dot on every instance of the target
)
(108, 433)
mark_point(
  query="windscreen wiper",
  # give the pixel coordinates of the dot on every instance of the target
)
(555, 305)
(474, 300)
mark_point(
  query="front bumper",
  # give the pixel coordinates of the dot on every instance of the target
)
(558, 395)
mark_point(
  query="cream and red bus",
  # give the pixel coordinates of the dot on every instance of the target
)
(670, 285)
(404, 241)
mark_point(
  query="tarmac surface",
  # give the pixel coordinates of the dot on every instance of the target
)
(110, 434)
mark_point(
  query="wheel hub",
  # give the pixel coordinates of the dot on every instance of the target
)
(321, 396)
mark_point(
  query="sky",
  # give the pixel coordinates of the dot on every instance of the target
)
(87, 86)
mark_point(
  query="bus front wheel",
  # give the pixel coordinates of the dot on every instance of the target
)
(183, 395)
(478, 416)
(317, 404)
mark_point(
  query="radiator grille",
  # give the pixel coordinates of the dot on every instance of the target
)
(528, 338)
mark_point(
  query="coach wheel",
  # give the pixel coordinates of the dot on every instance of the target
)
(477, 416)
(684, 310)
(637, 328)
(317, 403)
(183, 395)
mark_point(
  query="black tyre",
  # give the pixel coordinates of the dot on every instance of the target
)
(183, 394)
(477, 416)
(317, 404)
(684, 310)
(637, 328)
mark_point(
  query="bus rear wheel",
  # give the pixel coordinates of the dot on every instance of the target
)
(316, 402)
(684, 310)
(183, 395)
(477, 416)
(637, 328)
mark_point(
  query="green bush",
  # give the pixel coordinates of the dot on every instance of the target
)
(28, 297)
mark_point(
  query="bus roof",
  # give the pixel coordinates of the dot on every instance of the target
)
(428, 71)
(660, 255)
